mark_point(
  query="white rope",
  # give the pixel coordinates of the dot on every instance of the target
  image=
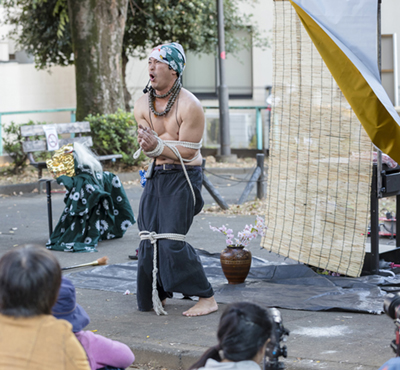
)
(176, 152)
(186, 144)
(153, 237)
(171, 144)
(174, 143)
(158, 149)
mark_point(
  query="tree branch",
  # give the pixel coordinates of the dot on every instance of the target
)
(137, 6)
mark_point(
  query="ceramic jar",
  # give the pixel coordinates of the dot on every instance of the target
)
(235, 263)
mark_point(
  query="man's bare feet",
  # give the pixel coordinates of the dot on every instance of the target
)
(164, 302)
(203, 307)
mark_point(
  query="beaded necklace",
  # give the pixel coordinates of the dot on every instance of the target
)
(174, 92)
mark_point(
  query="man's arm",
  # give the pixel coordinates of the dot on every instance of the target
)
(192, 127)
(146, 139)
(139, 111)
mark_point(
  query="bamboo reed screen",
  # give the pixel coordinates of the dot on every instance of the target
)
(320, 159)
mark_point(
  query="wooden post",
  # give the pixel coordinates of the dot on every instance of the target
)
(213, 192)
(250, 185)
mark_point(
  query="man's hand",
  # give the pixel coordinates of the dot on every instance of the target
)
(146, 139)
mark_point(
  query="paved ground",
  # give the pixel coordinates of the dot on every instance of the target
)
(318, 340)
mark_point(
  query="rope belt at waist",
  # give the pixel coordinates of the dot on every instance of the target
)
(153, 237)
(173, 166)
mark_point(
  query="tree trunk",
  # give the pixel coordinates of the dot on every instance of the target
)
(97, 29)
(127, 94)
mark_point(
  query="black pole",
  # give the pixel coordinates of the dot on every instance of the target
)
(374, 223)
(49, 210)
(379, 152)
(223, 95)
(376, 181)
(268, 119)
(397, 221)
(260, 181)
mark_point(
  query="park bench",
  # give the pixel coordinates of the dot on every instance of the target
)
(67, 133)
(73, 131)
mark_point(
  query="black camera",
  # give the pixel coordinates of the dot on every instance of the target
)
(391, 306)
(274, 349)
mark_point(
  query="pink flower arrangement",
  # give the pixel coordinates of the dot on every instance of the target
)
(244, 237)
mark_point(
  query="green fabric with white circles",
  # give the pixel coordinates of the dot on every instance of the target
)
(94, 211)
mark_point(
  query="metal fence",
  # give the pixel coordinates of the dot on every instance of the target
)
(260, 129)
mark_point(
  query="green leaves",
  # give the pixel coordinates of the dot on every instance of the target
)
(45, 32)
(61, 8)
(115, 134)
(12, 144)
(41, 27)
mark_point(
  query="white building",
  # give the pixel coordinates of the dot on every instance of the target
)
(249, 73)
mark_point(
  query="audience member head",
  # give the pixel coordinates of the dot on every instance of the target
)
(243, 332)
(66, 307)
(30, 277)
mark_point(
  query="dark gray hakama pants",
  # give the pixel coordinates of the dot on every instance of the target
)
(167, 206)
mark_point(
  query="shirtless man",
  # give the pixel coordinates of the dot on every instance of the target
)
(169, 201)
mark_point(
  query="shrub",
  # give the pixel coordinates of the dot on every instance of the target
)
(116, 134)
(12, 145)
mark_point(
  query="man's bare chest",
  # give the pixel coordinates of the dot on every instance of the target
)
(167, 127)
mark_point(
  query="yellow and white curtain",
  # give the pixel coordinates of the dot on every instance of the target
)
(345, 34)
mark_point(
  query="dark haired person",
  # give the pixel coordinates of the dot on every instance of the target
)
(30, 337)
(171, 124)
(243, 333)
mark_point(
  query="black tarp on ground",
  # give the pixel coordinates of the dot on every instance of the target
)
(284, 286)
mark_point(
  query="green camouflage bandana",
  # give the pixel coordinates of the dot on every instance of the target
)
(171, 54)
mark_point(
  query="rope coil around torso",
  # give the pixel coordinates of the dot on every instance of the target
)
(153, 237)
(171, 144)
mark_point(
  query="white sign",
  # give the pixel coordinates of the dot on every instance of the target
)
(51, 138)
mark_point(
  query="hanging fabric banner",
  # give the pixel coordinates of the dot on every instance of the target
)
(345, 34)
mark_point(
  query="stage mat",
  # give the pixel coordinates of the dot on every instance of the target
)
(290, 286)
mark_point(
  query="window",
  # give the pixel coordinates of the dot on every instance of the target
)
(389, 66)
(201, 73)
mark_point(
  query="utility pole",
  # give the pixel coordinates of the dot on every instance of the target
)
(376, 187)
(223, 96)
